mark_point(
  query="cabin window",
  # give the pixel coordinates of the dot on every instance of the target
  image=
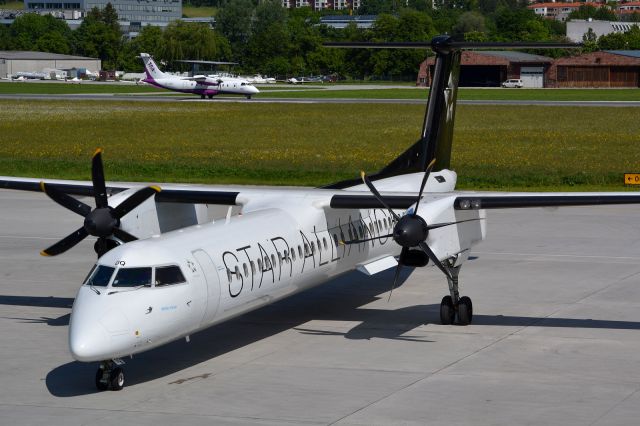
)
(324, 243)
(313, 247)
(229, 275)
(260, 264)
(132, 277)
(166, 275)
(293, 254)
(273, 260)
(100, 276)
(335, 239)
(299, 251)
(306, 249)
(253, 268)
(237, 272)
(246, 270)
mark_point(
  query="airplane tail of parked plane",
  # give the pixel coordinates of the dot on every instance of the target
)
(152, 70)
(437, 129)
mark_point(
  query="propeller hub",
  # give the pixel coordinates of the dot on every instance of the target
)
(410, 231)
(100, 222)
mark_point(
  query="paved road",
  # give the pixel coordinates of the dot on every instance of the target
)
(555, 339)
(258, 99)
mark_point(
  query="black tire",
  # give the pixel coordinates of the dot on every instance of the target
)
(210, 96)
(102, 386)
(447, 313)
(116, 379)
(248, 98)
(465, 311)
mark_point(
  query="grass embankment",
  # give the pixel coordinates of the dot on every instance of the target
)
(471, 94)
(495, 147)
(12, 5)
(189, 11)
(67, 88)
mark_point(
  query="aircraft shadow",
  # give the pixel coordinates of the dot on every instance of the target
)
(338, 300)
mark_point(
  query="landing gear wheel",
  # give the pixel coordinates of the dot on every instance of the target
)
(210, 96)
(447, 312)
(101, 384)
(201, 96)
(465, 311)
(248, 97)
(116, 379)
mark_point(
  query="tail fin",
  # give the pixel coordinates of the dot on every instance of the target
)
(437, 129)
(152, 70)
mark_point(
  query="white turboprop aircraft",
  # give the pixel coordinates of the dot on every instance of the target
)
(190, 266)
(202, 85)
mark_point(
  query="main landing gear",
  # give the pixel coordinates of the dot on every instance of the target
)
(110, 375)
(453, 306)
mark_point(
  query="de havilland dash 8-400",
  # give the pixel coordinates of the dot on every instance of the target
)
(178, 259)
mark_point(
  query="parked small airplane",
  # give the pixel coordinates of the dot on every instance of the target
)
(200, 84)
(171, 263)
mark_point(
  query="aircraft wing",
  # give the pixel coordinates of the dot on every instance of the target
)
(464, 200)
(170, 194)
(198, 78)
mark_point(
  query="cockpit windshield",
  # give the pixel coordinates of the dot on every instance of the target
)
(132, 277)
(100, 276)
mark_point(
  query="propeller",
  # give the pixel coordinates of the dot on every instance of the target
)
(101, 222)
(410, 230)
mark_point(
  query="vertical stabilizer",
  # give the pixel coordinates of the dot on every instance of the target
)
(152, 70)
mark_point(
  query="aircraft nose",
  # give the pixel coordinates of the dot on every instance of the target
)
(254, 90)
(88, 342)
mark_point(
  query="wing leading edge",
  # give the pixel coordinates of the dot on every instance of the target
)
(520, 200)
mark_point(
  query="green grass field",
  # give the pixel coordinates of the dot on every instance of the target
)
(12, 5)
(330, 91)
(497, 147)
(198, 12)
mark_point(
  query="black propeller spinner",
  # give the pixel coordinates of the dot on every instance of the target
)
(101, 222)
(410, 230)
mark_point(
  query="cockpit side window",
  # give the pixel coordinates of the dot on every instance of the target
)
(167, 275)
(132, 277)
(100, 276)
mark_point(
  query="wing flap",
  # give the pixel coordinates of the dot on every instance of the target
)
(508, 201)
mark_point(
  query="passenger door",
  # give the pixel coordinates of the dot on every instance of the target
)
(210, 275)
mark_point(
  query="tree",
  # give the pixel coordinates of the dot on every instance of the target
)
(470, 22)
(587, 11)
(40, 32)
(234, 22)
(186, 40)
(621, 41)
(97, 36)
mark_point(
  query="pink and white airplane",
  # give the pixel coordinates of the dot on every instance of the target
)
(202, 85)
(178, 259)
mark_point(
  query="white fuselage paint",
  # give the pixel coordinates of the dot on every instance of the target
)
(235, 266)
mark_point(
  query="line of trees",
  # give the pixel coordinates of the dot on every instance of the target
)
(270, 39)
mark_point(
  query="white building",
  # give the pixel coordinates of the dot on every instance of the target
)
(576, 28)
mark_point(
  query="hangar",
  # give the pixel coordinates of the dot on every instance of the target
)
(490, 68)
(12, 62)
(610, 68)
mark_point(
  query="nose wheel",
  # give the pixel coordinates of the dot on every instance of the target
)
(453, 307)
(110, 375)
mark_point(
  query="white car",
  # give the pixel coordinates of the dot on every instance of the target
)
(513, 82)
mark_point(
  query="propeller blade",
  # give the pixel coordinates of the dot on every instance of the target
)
(424, 182)
(395, 279)
(376, 194)
(123, 235)
(97, 176)
(65, 200)
(440, 225)
(66, 243)
(432, 256)
(346, 243)
(135, 200)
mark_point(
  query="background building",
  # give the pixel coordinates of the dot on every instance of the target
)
(12, 62)
(133, 11)
(490, 68)
(611, 68)
(576, 28)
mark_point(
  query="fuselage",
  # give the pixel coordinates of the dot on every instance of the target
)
(153, 291)
(233, 86)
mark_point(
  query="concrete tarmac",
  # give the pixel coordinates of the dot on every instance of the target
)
(555, 337)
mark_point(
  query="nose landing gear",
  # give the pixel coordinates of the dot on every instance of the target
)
(453, 306)
(110, 375)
